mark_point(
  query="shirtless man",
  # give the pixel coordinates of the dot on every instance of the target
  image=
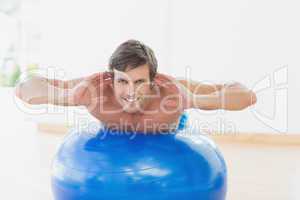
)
(132, 95)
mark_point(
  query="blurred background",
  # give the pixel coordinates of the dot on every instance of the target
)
(253, 42)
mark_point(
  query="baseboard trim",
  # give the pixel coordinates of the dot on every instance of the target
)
(52, 128)
(245, 138)
(258, 138)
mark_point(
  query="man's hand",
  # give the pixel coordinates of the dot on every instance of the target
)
(92, 89)
(175, 94)
(229, 96)
(166, 82)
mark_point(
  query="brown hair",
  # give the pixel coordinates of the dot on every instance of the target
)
(132, 54)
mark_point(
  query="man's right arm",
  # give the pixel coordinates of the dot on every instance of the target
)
(40, 90)
(68, 84)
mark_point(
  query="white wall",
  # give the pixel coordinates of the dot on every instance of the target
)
(253, 42)
(247, 41)
(79, 36)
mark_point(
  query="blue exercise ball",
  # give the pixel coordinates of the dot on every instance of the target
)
(119, 165)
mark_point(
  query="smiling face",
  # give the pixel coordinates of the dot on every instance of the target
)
(131, 87)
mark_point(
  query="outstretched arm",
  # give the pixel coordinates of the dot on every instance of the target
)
(76, 92)
(66, 84)
(230, 96)
(40, 90)
(199, 88)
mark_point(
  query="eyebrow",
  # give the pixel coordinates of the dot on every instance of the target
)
(141, 79)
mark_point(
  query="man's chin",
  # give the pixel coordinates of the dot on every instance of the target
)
(131, 109)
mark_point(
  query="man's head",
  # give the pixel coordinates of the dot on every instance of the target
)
(134, 67)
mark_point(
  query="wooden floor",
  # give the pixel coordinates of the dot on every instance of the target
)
(262, 172)
(256, 172)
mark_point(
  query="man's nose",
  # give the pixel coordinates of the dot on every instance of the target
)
(131, 90)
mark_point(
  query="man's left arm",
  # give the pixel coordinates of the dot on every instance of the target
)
(230, 96)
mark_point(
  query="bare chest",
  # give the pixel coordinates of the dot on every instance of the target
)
(154, 120)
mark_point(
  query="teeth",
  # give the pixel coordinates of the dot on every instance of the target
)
(131, 99)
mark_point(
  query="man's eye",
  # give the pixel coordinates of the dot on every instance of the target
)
(122, 81)
(140, 81)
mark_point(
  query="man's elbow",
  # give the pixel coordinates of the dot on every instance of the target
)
(253, 98)
(19, 94)
(248, 100)
(25, 90)
(18, 91)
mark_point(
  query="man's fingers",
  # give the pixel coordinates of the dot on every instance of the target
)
(163, 77)
(103, 78)
(93, 76)
(99, 76)
(159, 83)
(166, 82)
(160, 80)
(95, 84)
